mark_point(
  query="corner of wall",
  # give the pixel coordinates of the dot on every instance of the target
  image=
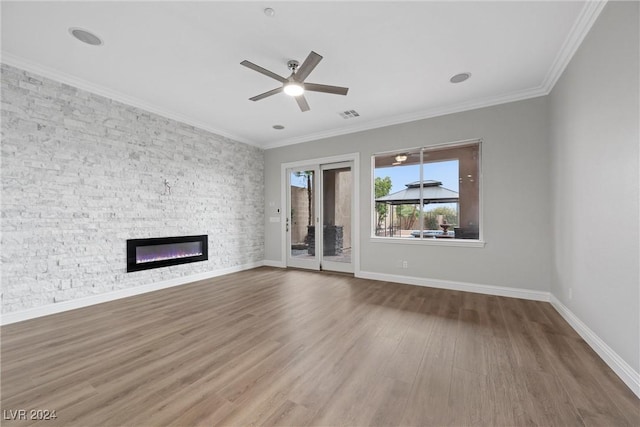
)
(626, 373)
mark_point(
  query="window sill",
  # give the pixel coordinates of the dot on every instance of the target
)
(468, 243)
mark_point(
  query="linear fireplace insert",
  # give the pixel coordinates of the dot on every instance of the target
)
(143, 254)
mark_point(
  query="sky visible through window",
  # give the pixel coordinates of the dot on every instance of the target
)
(299, 179)
(445, 172)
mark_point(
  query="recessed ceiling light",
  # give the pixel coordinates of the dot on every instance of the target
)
(459, 78)
(278, 127)
(269, 12)
(85, 36)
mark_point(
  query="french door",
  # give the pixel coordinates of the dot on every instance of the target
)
(302, 217)
(319, 217)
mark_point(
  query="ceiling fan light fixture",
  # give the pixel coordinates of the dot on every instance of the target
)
(293, 89)
(401, 158)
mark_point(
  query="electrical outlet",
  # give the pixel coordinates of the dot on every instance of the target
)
(570, 293)
(405, 264)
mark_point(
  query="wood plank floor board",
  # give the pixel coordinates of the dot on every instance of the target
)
(266, 408)
(624, 399)
(470, 396)
(388, 403)
(261, 373)
(61, 401)
(59, 379)
(350, 399)
(280, 347)
(201, 410)
(594, 404)
(347, 354)
(525, 344)
(303, 375)
(509, 398)
(287, 414)
(428, 402)
(405, 362)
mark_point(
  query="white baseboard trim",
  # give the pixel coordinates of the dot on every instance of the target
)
(626, 373)
(458, 286)
(46, 310)
(272, 263)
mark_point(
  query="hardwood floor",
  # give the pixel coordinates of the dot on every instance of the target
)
(288, 347)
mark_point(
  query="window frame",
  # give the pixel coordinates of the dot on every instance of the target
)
(478, 243)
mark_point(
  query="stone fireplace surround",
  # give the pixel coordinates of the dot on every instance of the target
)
(82, 173)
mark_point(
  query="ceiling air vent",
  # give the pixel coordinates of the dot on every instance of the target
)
(349, 114)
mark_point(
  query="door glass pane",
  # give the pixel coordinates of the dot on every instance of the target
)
(301, 220)
(336, 211)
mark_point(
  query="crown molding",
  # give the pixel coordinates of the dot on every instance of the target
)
(581, 27)
(412, 117)
(66, 78)
(51, 73)
(588, 15)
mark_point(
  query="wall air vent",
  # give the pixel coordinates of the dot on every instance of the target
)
(349, 114)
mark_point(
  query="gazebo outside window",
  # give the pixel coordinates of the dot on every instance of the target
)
(410, 212)
(409, 199)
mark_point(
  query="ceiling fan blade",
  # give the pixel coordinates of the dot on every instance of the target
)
(263, 71)
(302, 103)
(307, 66)
(264, 95)
(336, 90)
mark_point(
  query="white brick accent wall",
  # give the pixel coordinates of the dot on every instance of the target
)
(81, 174)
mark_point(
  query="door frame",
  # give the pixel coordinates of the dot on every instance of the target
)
(310, 264)
(334, 265)
(355, 229)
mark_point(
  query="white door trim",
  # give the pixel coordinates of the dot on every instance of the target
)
(302, 262)
(333, 265)
(350, 157)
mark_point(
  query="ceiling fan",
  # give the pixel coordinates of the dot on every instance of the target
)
(403, 157)
(295, 85)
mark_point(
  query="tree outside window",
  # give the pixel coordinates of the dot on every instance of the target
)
(429, 192)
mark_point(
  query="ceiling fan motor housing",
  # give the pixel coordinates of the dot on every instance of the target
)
(293, 65)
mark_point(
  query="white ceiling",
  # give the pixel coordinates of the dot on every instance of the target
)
(182, 59)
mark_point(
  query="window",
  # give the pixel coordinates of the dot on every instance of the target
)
(428, 193)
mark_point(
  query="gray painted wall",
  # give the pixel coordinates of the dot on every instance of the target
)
(82, 173)
(595, 141)
(517, 214)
